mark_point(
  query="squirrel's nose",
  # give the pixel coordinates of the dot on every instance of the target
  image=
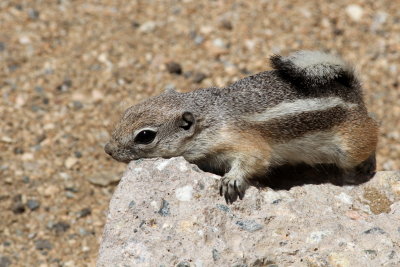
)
(108, 149)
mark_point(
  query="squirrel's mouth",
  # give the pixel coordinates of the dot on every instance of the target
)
(120, 155)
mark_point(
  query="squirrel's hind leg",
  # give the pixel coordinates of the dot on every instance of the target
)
(360, 173)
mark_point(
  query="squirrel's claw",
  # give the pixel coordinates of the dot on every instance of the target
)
(232, 188)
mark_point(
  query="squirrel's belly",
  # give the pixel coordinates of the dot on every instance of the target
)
(314, 148)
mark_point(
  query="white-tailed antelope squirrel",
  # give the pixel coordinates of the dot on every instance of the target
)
(309, 109)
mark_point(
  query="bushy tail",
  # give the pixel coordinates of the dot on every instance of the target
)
(314, 68)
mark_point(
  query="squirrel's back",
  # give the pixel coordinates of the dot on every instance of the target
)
(305, 77)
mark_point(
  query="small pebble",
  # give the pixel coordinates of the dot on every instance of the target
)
(40, 138)
(39, 89)
(32, 235)
(135, 24)
(50, 191)
(355, 12)
(277, 201)
(164, 209)
(69, 194)
(33, 204)
(2, 47)
(17, 206)
(174, 68)
(372, 253)
(184, 193)
(226, 24)
(84, 212)
(26, 179)
(104, 179)
(215, 254)
(249, 225)
(198, 39)
(375, 230)
(224, 208)
(219, 43)
(43, 244)
(24, 40)
(132, 204)
(83, 232)
(66, 84)
(18, 150)
(60, 227)
(71, 188)
(198, 77)
(33, 13)
(70, 162)
(4, 261)
(77, 105)
(183, 264)
(148, 27)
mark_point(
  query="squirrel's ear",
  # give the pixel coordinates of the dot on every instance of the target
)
(187, 120)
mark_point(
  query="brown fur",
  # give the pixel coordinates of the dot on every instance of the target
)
(359, 135)
(253, 150)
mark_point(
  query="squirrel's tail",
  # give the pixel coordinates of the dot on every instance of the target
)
(314, 68)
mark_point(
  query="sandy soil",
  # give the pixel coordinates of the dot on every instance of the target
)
(68, 69)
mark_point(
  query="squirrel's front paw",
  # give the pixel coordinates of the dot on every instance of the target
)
(232, 188)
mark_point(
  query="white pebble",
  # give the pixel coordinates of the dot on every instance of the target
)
(317, 236)
(184, 193)
(24, 40)
(148, 26)
(70, 162)
(219, 43)
(161, 166)
(182, 167)
(355, 12)
(345, 198)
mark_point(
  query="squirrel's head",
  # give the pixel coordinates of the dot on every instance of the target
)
(157, 127)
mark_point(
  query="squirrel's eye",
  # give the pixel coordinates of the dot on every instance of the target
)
(145, 137)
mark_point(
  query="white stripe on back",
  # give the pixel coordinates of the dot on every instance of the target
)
(291, 108)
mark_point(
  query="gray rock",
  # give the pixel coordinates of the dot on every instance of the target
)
(64, 86)
(198, 77)
(43, 244)
(4, 261)
(198, 39)
(164, 209)
(84, 212)
(33, 13)
(226, 24)
(77, 105)
(60, 227)
(103, 179)
(33, 204)
(174, 67)
(17, 206)
(310, 225)
(26, 179)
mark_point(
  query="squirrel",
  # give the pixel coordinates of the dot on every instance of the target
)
(308, 110)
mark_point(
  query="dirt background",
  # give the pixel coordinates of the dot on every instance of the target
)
(68, 69)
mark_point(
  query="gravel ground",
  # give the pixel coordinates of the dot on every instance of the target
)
(68, 68)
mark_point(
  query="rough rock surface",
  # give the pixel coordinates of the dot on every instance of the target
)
(169, 213)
